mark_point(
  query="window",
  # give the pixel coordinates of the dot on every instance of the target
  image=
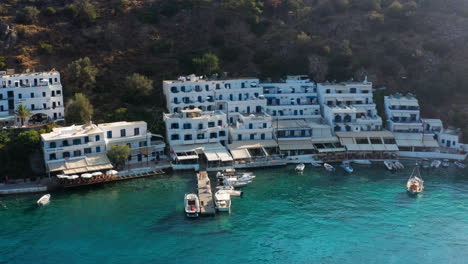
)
(129, 157)
(109, 134)
(174, 89)
(175, 126)
(32, 95)
(76, 153)
(86, 139)
(211, 124)
(65, 143)
(213, 135)
(52, 156)
(220, 122)
(98, 138)
(239, 137)
(76, 141)
(123, 132)
(250, 126)
(66, 155)
(98, 149)
(53, 145)
(136, 131)
(200, 126)
(20, 96)
(55, 79)
(262, 136)
(264, 125)
(187, 126)
(252, 136)
(174, 137)
(142, 144)
(87, 151)
(222, 133)
(188, 137)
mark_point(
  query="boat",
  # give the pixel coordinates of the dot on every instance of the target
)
(234, 182)
(389, 165)
(232, 173)
(45, 199)
(300, 167)
(415, 184)
(192, 205)
(316, 164)
(329, 167)
(230, 190)
(362, 162)
(346, 166)
(459, 164)
(425, 164)
(398, 165)
(223, 201)
(435, 164)
(445, 163)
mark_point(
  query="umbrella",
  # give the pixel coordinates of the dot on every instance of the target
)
(112, 172)
(98, 173)
(86, 175)
(73, 177)
(62, 176)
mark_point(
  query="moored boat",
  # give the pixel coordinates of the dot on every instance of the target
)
(415, 184)
(435, 164)
(45, 199)
(232, 181)
(389, 165)
(230, 190)
(445, 163)
(316, 164)
(346, 166)
(300, 167)
(398, 165)
(329, 167)
(362, 162)
(459, 164)
(425, 164)
(223, 201)
(192, 205)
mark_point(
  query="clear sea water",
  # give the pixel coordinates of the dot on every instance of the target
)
(284, 217)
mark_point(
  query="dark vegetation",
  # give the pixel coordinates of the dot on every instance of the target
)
(116, 52)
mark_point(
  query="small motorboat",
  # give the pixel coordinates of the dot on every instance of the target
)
(234, 182)
(329, 167)
(192, 205)
(300, 167)
(435, 164)
(398, 165)
(346, 166)
(362, 162)
(389, 165)
(459, 164)
(425, 164)
(230, 190)
(445, 163)
(415, 184)
(316, 164)
(223, 201)
(44, 200)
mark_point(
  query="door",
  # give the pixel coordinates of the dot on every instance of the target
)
(448, 143)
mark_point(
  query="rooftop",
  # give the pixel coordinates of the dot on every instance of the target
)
(194, 78)
(71, 131)
(11, 73)
(121, 123)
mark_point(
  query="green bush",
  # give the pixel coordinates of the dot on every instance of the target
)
(50, 11)
(207, 64)
(83, 12)
(27, 15)
(2, 63)
(46, 49)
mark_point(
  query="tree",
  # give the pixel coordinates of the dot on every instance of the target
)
(45, 49)
(2, 63)
(28, 141)
(138, 86)
(4, 138)
(22, 112)
(83, 12)
(118, 154)
(207, 64)
(79, 110)
(27, 15)
(82, 75)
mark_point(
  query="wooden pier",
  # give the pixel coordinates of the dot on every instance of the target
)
(205, 194)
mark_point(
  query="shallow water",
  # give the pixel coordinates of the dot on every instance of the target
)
(283, 217)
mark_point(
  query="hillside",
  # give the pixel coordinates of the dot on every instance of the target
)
(416, 46)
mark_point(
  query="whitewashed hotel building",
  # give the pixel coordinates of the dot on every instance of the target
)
(403, 113)
(295, 98)
(40, 92)
(256, 126)
(349, 107)
(77, 149)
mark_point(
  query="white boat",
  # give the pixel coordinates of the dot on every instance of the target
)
(234, 182)
(192, 205)
(445, 163)
(223, 201)
(389, 165)
(329, 167)
(398, 165)
(425, 164)
(230, 190)
(231, 173)
(362, 162)
(435, 164)
(346, 166)
(300, 167)
(415, 184)
(45, 199)
(459, 164)
(316, 164)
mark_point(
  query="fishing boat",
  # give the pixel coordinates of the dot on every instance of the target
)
(398, 165)
(45, 199)
(346, 166)
(329, 167)
(415, 184)
(230, 190)
(192, 205)
(389, 165)
(459, 164)
(445, 163)
(435, 164)
(300, 167)
(362, 162)
(223, 201)
(425, 164)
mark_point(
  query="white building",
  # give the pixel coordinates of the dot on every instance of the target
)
(349, 106)
(229, 96)
(256, 126)
(403, 113)
(40, 92)
(296, 98)
(77, 149)
(450, 138)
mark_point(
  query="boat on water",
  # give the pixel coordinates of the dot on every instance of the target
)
(435, 164)
(389, 165)
(346, 166)
(445, 163)
(459, 164)
(230, 190)
(223, 201)
(231, 173)
(192, 205)
(329, 167)
(415, 184)
(398, 165)
(362, 162)
(316, 164)
(45, 199)
(300, 167)
(235, 182)
(425, 164)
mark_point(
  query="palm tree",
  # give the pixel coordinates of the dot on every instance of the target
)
(22, 112)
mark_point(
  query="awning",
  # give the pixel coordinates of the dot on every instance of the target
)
(250, 144)
(88, 163)
(211, 156)
(187, 157)
(415, 140)
(296, 145)
(240, 154)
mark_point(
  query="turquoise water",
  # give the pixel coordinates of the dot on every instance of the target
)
(284, 217)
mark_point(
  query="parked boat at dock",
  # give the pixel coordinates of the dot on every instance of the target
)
(459, 164)
(389, 165)
(235, 182)
(230, 190)
(445, 163)
(346, 166)
(316, 164)
(300, 167)
(192, 205)
(45, 199)
(329, 167)
(362, 162)
(398, 165)
(415, 184)
(435, 164)
(223, 201)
